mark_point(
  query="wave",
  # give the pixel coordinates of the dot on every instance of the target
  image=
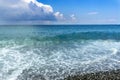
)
(31, 59)
(93, 35)
(80, 36)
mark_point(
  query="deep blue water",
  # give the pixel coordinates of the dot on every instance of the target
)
(55, 51)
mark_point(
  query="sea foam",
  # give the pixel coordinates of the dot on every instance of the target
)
(52, 62)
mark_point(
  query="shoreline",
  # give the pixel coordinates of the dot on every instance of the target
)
(102, 75)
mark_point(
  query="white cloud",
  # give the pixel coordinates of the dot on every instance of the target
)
(73, 17)
(27, 10)
(93, 13)
(47, 8)
(59, 16)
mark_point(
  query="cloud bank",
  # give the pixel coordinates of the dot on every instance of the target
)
(27, 10)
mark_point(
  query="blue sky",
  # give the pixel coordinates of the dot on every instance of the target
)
(60, 11)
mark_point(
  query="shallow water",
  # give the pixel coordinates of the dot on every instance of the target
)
(56, 51)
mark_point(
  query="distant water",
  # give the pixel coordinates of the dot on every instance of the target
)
(54, 52)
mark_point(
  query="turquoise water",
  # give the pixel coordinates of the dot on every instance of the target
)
(53, 52)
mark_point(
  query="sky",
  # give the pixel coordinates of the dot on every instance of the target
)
(59, 11)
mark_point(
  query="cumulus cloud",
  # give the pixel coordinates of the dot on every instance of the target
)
(27, 10)
(73, 17)
(59, 16)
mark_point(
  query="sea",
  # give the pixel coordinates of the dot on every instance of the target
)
(53, 52)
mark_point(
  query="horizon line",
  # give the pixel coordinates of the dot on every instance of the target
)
(52, 24)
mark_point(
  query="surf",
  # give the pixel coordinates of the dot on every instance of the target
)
(54, 53)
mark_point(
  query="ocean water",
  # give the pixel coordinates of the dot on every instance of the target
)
(52, 52)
